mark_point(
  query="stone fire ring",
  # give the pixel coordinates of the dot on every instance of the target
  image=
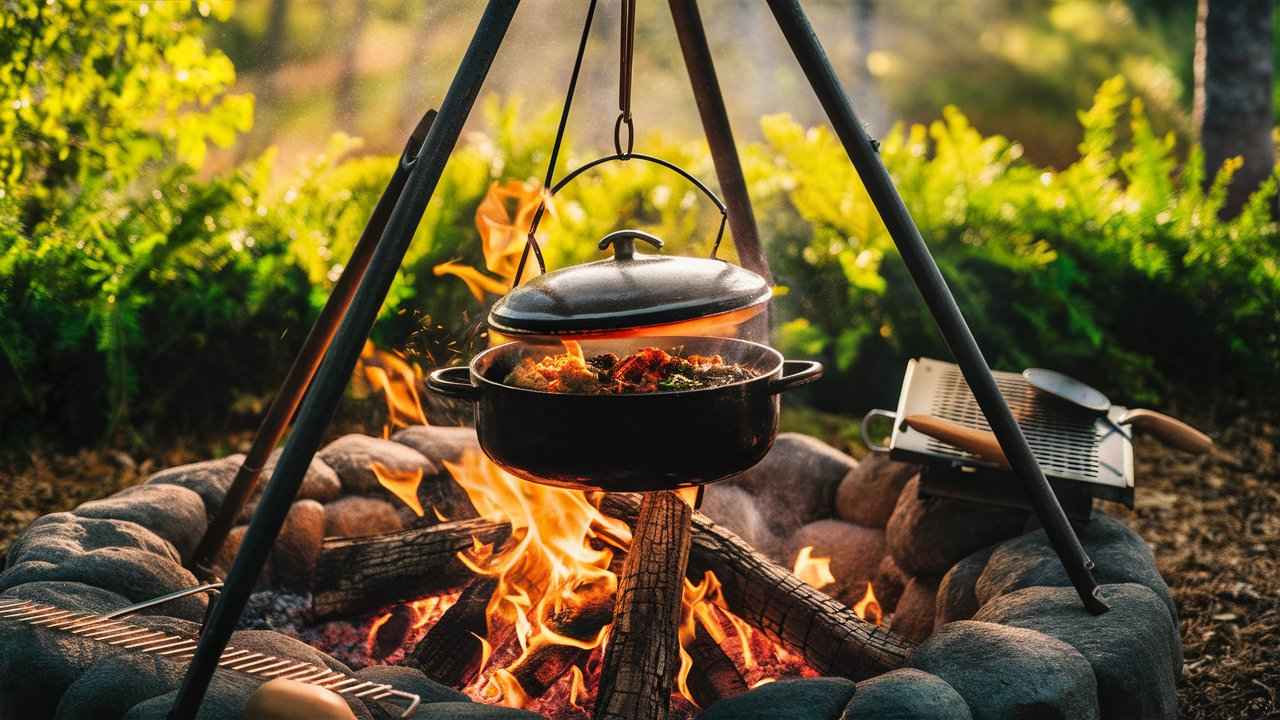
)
(1002, 633)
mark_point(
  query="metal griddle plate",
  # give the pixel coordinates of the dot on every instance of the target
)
(1069, 443)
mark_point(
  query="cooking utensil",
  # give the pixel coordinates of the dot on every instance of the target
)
(627, 442)
(1170, 430)
(982, 443)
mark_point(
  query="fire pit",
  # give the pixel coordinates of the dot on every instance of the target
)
(490, 597)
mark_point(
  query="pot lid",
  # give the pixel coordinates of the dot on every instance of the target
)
(630, 290)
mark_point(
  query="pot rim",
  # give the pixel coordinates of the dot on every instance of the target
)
(776, 356)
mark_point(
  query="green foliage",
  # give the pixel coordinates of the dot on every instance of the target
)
(1118, 268)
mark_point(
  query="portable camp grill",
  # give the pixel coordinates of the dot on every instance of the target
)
(1083, 455)
(111, 630)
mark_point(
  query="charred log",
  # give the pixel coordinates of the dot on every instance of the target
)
(355, 575)
(713, 676)
(450, 653)
(829, 636)
(643, 655)
(546, 664)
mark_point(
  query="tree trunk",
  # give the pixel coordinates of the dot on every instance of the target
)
(273, 42)
(643, 655)
(1234, 108)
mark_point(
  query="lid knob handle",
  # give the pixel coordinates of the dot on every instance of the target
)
(624, 242)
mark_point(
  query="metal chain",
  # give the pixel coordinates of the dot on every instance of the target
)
(625, 63)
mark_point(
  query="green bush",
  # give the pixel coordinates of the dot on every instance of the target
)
(1117, 269)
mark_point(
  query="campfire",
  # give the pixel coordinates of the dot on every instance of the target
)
(530, 624)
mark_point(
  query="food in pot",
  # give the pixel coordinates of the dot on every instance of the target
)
(646, 370)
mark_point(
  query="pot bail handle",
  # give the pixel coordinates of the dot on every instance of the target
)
(794, 374)
(445, 381)
(624, 242)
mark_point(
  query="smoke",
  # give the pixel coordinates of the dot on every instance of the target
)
(735, 508)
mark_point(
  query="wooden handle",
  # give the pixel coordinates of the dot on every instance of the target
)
(282, 699)
(1172, 431)
(982, 443)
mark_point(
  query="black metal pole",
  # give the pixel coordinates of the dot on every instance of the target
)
(335, 372)
(304, 365)
(724, 151)
(933, 287)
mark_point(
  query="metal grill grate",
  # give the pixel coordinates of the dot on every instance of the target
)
(129, 636)
(1066, 444)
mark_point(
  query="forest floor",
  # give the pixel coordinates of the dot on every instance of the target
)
(1213, 523)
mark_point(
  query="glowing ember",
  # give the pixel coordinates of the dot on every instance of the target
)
(398, 381)
(868, 608)
(401, 483)
(813, 571)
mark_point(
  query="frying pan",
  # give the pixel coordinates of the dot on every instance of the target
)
(1171, 431)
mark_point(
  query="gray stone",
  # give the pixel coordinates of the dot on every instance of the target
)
(928, 535)
(132, 573)
(226, 555)
(320, 483)
(855, 553)
(1121, 557)
(890, 583)
(439, 443)
(410, 680)
(957, 598)
(297, 547)
(114, 684)
(69, 596)
(735, 508)
(808, 699)
(271, 642)
(796, 481)
(225, 699)
(56, 537)
(906, 694)
(1134, 648)
(352, 455)
(471, 711)
(37, 666)
(1005, 672)
(357, 516)
(868, 493)
(913, 617)
(209, 479)
(172, 512)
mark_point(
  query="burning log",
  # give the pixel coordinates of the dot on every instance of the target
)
(643, 655)
(355, 575)
(829, 635)
(714, 675)
(545, 665)
(451, 653)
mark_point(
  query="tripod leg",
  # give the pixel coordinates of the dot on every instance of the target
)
(933, 288)
(335, 372)
(724, 152)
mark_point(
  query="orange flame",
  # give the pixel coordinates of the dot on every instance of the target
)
(401, 483)
(814, 571)
(574, 349)
(868, 608)
(371, 638)
(577, 687)
(398, 381)
(503, 218)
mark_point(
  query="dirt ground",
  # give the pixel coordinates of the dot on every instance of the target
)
(1213, 522)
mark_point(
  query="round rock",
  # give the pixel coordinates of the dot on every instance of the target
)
(1029, 561)
(957, 598)
(855, 553)
(37, 666)
(320, 483)
(69, 596)
(913, 617)
(439, 443)
(172, 512)
(411, 680)
(352, 456)
(1134, 648)
(297, 547)
(471, 711)
(796, 481)
(357, 516)
(890, 582)
(869, 492)
(928, 535)
(1006, 672)
(57, 537)
(735, 508)
(796, 699)
(114, 684)
(209, 479)
(906, 694)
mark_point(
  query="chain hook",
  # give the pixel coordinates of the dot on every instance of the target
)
(625, 64)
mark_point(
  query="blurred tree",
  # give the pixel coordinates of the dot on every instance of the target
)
(345, 104)
(273, 48)
(1234, 100)
(865, 96)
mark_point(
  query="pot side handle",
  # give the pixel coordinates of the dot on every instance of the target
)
(794, 374)
(446, 381)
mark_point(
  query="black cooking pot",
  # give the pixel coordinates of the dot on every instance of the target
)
(628, 442)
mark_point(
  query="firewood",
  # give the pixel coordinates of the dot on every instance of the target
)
(713, 676)
(546, 664)
(643, 653)
(355, 575)
(451, 651)
(824, 631)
